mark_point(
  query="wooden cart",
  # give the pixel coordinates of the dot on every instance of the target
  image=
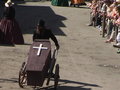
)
(39, 66)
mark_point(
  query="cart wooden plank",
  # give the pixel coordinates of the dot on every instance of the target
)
(38, 62)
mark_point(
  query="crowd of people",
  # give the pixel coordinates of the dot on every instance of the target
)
(105, 14)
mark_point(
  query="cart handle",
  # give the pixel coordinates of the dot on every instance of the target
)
(55, 53)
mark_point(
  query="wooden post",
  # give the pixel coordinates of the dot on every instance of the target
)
(116, 31)
(103, 25)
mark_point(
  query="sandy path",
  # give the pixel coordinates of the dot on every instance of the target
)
(86, 62)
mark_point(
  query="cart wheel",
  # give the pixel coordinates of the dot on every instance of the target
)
(56, 77)
(22, 75)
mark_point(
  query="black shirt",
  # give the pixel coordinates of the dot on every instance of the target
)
(45, 34)
(9, 12)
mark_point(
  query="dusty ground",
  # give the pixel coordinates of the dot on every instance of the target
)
(86, 62)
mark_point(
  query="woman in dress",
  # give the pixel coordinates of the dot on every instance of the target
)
(10, 30)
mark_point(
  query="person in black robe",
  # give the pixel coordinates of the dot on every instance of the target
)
(43, 33)
(11, 33)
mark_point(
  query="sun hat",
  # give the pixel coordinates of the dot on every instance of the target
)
(9, 3)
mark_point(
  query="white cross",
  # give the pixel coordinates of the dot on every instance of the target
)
(39, 49)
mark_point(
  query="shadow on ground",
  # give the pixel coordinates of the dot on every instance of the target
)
(61, 86)
(80, 83)
(4, 80)
(28, 17)
(64, 88)
(70, 88)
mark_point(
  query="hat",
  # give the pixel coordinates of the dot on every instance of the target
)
(9, 3)
(41, 22)
(107, 1)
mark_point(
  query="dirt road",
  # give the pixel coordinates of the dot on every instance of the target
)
(86, 62)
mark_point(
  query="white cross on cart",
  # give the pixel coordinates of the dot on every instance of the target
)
(39, 49)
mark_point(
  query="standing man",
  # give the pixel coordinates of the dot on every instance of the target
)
(42, 33)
